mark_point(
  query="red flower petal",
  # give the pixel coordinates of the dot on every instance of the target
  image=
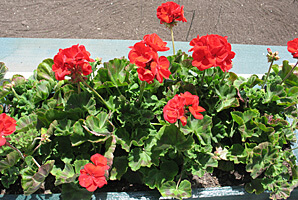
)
(94, 170)
(100, 181)
(7, 125)
(155, 42)
(170, 12)
(195, 111)
(2, 141)
(99, 160)
(293, 47)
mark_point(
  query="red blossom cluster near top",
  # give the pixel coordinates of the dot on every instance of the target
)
(7, 127)
(212, 51)
(144, 55)
(175, 108)
(72, 61)
(293, 47)
(93, 175)
(170, 12)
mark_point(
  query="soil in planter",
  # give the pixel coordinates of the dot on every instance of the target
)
(218, 178)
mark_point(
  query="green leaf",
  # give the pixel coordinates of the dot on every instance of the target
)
(97, 125)
(10, 160)
(64, 127)
(110, 147)
(67, 175)
(10, 176)
(261, 158)
(71, 191)
(156, 177)
(201, 159)
(78, 136)
(227, 97)
(139, 158)
(169, 189)
(274, 92)
(79, 164)
(46, 117)
(31, 180)
(255, 186)
(80, 104)
(113, 74)
(26, 123)
(247, 126)
(237, 154)
(43, 89)
(201, 128)
(44, 70)
(171, 136)
(292, 80)
(3, 70)
(120, 166)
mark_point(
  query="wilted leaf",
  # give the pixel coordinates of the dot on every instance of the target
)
(31, 180)
(10, 160)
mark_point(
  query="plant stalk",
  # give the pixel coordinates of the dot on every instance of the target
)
(202, 80)
(142, 88)
(79, 88)
(289, 73)
(23, 157)
(268, 73)
(172, 35)
(223, 78)
(100, 97)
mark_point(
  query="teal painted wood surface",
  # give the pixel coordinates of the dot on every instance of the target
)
(24, 54)
(223, 193)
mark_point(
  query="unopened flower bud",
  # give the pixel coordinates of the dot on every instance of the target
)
(272, 56)
(269, 50)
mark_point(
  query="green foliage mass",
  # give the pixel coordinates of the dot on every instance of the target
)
(60, 127)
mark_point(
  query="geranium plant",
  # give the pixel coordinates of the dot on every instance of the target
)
(155, 120)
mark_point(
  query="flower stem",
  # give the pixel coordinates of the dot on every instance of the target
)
(223, 78)
(289, 73)
(79, 88)
(180, 178)
(23, 157)
(100, 97)
(267, 74)
(142, 88)
(14, 92)
(202, 80)
(172, 35)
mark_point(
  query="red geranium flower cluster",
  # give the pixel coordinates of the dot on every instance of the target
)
(73, 61)
(293, 47)
(93, 175)
(212, 51)
(7, 127)
(144, 55)
(175, 108)
(170, 12)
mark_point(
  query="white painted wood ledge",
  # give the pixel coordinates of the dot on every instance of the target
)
(22, 55)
